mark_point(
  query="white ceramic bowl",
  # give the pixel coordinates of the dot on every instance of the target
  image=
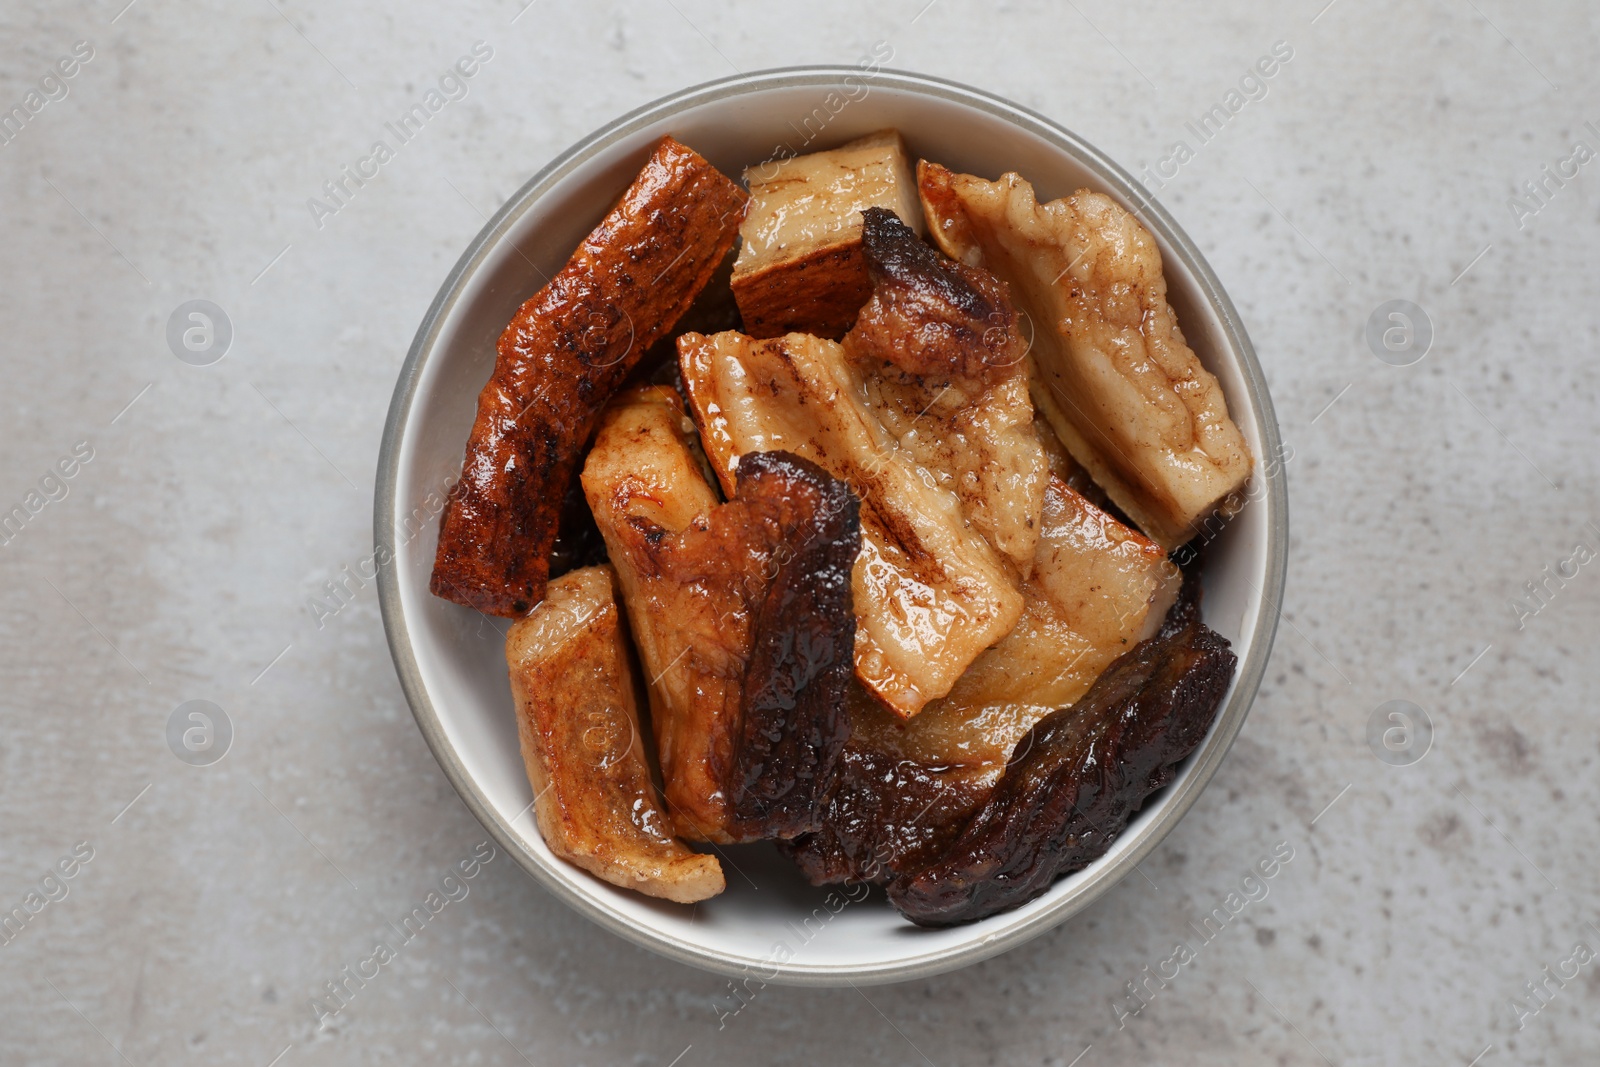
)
(451, 660)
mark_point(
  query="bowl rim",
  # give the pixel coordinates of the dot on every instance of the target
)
(1095, 880)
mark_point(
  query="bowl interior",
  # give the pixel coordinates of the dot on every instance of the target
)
(451, 660)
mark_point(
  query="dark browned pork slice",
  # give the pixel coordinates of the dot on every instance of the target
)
(1075, 779)
(794, 725)
(563, 355)
(931, 315)
(894, 808)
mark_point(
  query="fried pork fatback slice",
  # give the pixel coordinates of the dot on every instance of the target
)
(578, 721)
(944, 367)
(977, 443)
(741, 612)
(563, 355)
(1112, 372)
(800, 265)
(1076, 778)
(930, 593)
(1098, 589)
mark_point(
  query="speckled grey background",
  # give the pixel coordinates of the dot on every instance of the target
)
(1380, 164)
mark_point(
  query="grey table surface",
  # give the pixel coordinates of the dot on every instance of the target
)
(1388, 159)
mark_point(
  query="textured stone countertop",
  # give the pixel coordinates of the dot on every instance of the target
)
(207, 504)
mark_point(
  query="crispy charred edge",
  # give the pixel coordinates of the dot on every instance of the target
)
(887, 814)
(558, 362)
(931, 315)
(794, 717)
(1076, 778)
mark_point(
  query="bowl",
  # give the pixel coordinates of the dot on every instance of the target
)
(770, 924)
